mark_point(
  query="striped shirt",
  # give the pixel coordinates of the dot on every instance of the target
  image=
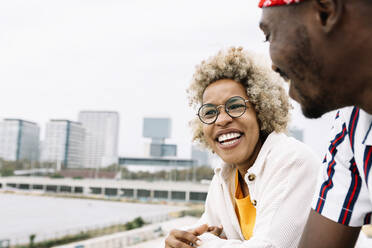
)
(344, 190)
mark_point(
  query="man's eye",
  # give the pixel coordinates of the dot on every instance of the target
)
(267, 38)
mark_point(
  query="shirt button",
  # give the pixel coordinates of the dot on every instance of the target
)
(254, 202)
(251, 177)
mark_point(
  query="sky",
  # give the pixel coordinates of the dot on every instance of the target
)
(136, 57)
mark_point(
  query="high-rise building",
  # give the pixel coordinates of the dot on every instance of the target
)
(159, 129)
(101, 140)
(64, 143)
(19, 140)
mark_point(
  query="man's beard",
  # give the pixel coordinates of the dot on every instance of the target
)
(316, 105)
(313, 108)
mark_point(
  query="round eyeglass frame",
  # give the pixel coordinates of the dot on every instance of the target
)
(218, 112)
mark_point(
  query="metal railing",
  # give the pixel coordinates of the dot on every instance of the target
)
(95, 231)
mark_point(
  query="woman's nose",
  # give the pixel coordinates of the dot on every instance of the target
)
(223, 118)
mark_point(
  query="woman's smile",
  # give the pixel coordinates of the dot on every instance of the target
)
(234, 139)
(229, 140)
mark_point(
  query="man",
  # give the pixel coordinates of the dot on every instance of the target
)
(324, 48)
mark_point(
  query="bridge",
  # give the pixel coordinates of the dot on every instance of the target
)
(129, 189)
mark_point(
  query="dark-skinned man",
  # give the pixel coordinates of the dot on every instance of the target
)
(324, 49)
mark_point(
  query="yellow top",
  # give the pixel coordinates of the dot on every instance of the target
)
(244, 209)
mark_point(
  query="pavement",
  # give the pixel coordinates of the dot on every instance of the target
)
(167, 227)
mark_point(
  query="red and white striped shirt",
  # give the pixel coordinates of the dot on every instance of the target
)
(344, 190)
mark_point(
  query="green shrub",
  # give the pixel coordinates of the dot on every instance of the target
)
(138, 222)
(56, 176)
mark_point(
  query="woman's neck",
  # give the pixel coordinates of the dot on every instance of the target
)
(243, 168)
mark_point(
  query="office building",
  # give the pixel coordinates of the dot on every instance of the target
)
(19, 140)
(159, 129)
(101, 139)
(163, 150)
(64, 144)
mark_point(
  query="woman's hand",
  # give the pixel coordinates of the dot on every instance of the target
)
(216, 230)
(185, 239)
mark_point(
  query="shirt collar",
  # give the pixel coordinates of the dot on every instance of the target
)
(366, 127)
(368, 138)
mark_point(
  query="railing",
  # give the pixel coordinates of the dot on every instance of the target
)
(96, 230)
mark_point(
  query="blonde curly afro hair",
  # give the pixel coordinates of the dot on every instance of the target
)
(264, 89)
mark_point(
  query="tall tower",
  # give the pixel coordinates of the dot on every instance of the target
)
(159, 129)
(64, 143)
(101, 142)
(19, 140)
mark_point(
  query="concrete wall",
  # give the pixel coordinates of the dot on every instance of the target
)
(137, 190)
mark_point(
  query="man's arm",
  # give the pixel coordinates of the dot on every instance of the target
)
(322, 232)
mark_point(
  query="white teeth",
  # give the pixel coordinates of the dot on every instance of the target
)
(228, 136)
(227, 143)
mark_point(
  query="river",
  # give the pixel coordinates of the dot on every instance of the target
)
(23, 215)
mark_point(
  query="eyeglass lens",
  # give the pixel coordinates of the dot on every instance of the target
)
(235, 107)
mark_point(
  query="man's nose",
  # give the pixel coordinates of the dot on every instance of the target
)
(275, 68)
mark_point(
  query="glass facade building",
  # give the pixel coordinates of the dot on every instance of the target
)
(156, 128)
(19, 140)
(64, 143)
(101, 140)
(159, 129)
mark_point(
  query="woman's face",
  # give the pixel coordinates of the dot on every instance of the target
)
(235, 140)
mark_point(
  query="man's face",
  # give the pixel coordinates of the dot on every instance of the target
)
(295, 58)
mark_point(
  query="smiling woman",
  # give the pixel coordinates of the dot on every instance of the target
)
(261, 194)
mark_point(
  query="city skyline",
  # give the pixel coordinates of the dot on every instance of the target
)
(133, 57)
(62, 136)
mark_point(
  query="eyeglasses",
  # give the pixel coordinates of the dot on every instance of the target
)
(234, 107)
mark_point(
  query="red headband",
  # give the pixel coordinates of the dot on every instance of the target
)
(269, 3)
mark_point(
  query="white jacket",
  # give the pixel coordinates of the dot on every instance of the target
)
(282, 189)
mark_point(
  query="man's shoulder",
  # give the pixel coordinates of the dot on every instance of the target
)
(355, 121)
(344, 114)
(350, 113)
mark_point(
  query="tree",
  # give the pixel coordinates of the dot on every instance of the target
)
(32, 238)
(138, 222)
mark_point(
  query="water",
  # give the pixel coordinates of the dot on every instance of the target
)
(49, 217)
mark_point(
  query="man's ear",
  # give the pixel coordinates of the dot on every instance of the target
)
(329, 13)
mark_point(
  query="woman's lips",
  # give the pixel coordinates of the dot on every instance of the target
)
(229, 144)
